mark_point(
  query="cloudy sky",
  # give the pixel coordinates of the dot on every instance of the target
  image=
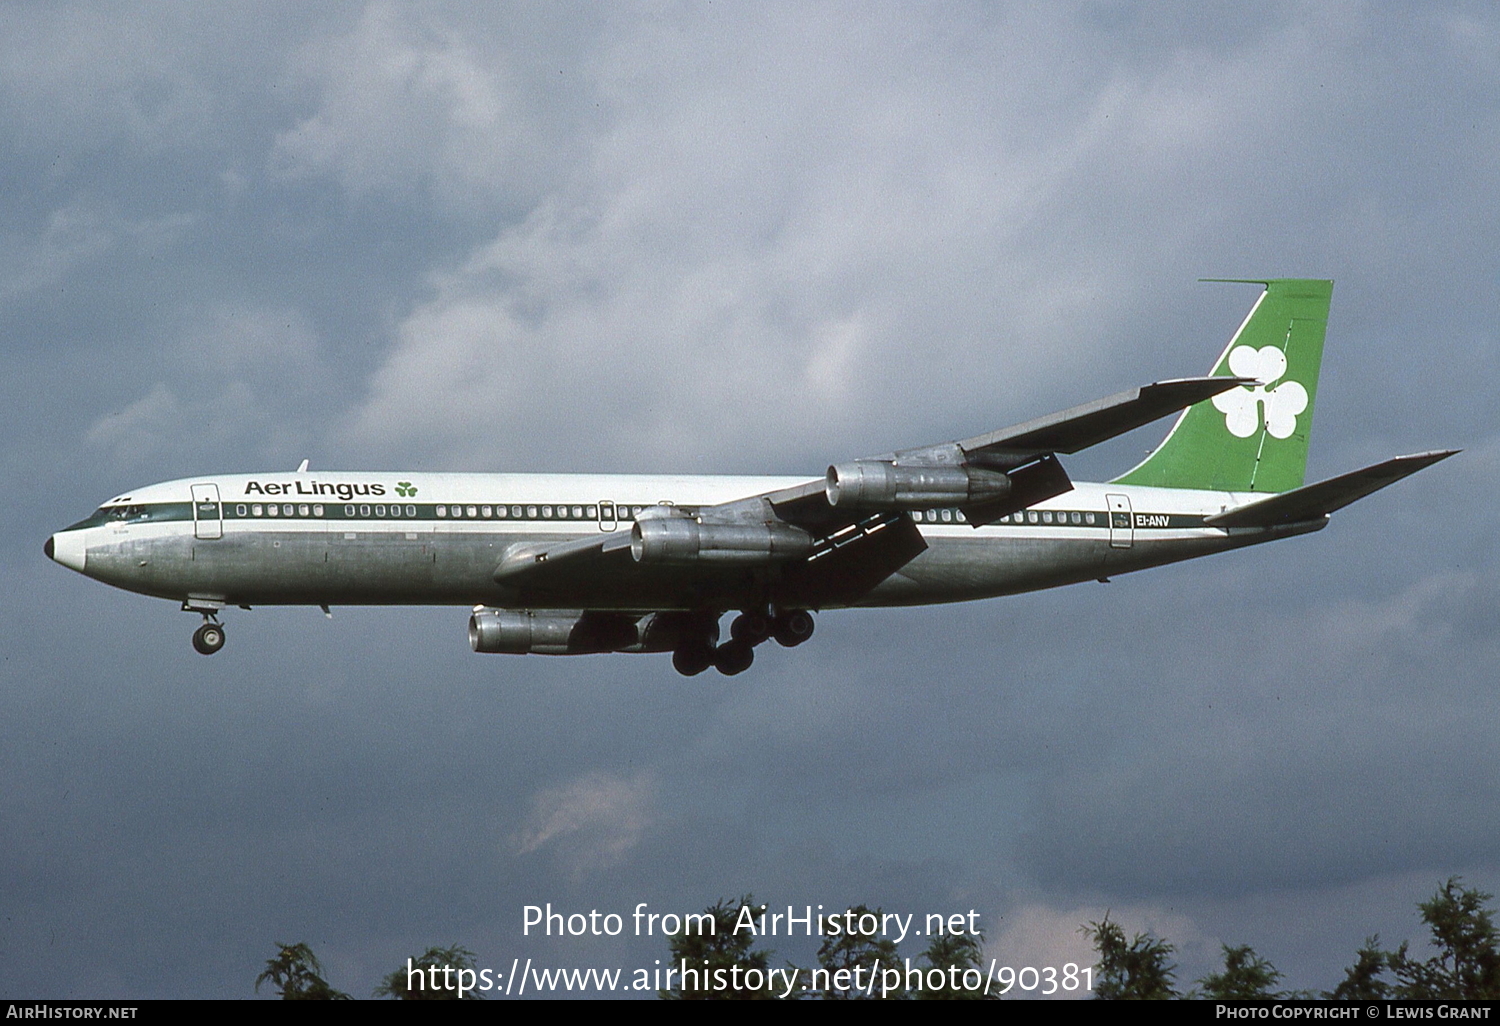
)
(748, 238)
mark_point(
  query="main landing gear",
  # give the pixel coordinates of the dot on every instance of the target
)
(208, 638)
(789, 628)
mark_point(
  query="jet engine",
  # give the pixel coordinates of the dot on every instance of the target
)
(870, 484)
(684, 542)
(517, 633)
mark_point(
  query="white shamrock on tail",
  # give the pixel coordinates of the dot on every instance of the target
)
(1242, 406)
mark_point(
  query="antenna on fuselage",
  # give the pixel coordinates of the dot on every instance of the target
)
(302, 467)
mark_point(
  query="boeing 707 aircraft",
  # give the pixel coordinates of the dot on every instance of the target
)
(571, 564)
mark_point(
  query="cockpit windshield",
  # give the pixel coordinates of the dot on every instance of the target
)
(131, 514)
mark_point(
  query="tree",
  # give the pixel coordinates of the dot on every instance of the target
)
(1467, 963)
(1246, 977)
(721, 948)
(851, 950)
(434, 975)
(1140, 970)
(298, 975)
(954, 954)
(1362, 980)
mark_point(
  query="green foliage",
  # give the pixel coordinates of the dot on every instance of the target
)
(298, 975)
(434, 975)
(1246, 977)
(1362, 980)
(953, 954)
(721, 948)
(1140, 970)
(1467, 963)
(869, 953)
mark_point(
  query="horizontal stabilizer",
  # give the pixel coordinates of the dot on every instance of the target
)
(1318, 500)
(1098, 421)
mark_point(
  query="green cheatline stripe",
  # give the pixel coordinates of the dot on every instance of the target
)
(408, 511)
(532, 513)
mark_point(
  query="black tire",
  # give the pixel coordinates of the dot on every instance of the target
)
(793, 628)
(691, 660)
(751, 627)
(733, 657)
(208, 639)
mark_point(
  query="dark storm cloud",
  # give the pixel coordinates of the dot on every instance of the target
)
(757, 240)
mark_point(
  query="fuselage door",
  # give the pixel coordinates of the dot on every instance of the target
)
(208, 513)
(606, 515)
(1121, 526)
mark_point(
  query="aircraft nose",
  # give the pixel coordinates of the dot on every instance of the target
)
(67, 548)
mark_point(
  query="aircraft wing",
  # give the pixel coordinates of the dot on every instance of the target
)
(1314, 501)
(1083, 426)
(531, 562)
(1018, 464)
(1023, 451)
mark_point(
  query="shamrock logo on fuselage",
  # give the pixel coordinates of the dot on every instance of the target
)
(1242, 407)
(405, 488)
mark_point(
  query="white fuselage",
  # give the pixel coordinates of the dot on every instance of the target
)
(385, 538)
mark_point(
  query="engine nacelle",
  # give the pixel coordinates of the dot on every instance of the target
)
(870, 484)
(517, 633)
(684, 541)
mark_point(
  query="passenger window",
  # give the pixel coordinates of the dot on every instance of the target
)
(317, 509)
(302, 510)
(1031, 516)
(348, 511)
(272, 510)
(1089, 517)
(411, 512)
(487, 510)
(578, 513)
(239, 510)
(364, 511)
(500, 511)
(1046, 517)
(380, 511)
(531, 512)
(546, 511)
(472, 511)
(442, 511)
(947, 515)
(591, 512)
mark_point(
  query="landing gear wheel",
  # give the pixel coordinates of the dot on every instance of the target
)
(734, 657)
(751, 627)
(793, 628)
(691, 660)
(208, 639)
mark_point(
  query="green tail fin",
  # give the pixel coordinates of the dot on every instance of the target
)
(1252, 439)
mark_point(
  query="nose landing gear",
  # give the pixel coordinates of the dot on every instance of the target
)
(208, 638)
